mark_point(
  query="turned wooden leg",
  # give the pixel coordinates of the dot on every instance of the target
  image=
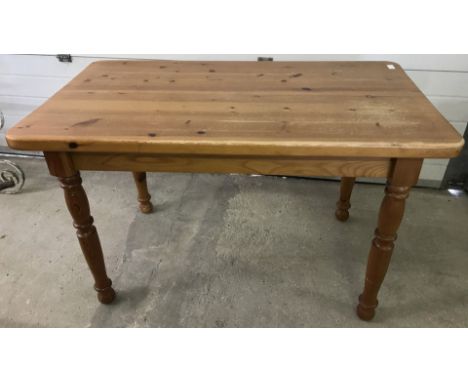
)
(343, 205)
(61, 166)
(143, 195)
(404, 175)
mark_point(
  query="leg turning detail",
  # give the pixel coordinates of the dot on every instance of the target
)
(404, 176)
(77, 203)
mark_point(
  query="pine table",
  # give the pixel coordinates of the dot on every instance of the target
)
(347, 119)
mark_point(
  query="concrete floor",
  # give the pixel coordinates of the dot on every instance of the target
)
(227, 251)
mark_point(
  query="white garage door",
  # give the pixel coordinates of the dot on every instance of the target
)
(26, 81)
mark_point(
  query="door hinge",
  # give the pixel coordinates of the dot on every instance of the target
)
(64, 57)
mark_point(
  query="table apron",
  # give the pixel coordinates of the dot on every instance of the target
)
(307, 166)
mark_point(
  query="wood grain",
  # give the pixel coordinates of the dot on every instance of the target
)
(60, 164)
(240, 165)
(359, 109)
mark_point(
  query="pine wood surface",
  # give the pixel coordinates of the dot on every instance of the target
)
(285, 109)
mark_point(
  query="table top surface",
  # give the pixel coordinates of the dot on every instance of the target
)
(344, 109)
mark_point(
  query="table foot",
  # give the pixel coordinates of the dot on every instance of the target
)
(144, 196)
(342, 214)
(343, 205)
(365, 312)
(146, 207)
(105, 295)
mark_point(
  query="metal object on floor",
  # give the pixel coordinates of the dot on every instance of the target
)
(11, 177)
(456, 175)
(2, 120)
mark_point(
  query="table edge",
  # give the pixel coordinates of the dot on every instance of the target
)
(266, 148)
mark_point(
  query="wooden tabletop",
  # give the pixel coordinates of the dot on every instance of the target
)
(358, 109)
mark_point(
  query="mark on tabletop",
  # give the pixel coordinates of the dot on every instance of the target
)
(87, 122)
(307, 89)
(152, 134)
(73, 145)
(295, 75)
(260, 75)
(201, 132)
(188, 121)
